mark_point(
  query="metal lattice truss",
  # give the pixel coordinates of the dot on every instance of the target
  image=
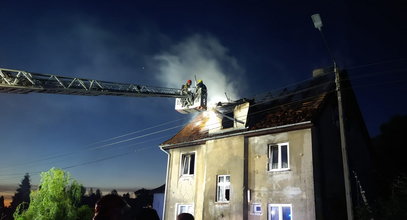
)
(22, 82)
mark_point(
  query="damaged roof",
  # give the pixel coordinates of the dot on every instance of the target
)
(291, 105)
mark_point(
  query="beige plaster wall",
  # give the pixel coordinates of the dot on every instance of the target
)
(294, 186)
(217, 157)
(181, 189)
(224, 157)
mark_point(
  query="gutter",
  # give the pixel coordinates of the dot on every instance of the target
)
(166, 180)
(246, 133)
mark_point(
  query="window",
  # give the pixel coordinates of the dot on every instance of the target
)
(228, 120)
(256, 209)
(278, 157)
(279, 212)
(185, 208)
(188, 164)
(223, 188)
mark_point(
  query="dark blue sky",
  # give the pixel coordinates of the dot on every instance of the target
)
(248, 48)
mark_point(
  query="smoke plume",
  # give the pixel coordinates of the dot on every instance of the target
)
(207, 59)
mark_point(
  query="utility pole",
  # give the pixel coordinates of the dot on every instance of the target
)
(349, 207)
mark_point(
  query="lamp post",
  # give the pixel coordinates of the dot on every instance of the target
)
(316, 19)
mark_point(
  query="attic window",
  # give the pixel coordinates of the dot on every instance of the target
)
(227, 122)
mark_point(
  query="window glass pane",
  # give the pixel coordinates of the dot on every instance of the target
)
(227, 178)
(274, 157)
(185, 164)
(192, 164)
(227, 194)
(286, 213)
(190, 211)
(284, 156)
(219, 195)
(220, 179)
(185, 209)
(274, 213)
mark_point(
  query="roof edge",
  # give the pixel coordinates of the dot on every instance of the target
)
(295, 126)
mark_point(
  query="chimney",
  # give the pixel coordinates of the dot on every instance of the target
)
(322, 71)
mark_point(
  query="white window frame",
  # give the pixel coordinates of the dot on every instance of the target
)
(254, 210)
(280, 210)
(183, 155)
(190, 208)
(279, 166)
(221, 188)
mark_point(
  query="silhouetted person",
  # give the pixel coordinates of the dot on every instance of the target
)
(147, 214)
(110, 207)
(185, 216)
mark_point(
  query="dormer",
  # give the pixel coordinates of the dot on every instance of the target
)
(229, 118)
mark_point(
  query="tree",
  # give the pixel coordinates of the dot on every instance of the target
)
(91, 192)
(394, 205)
(98, 195)
(391, 170)
(22, 196)
(1, 203)
(114, 192)
(1, 207)
(388, 146)
(58, 197)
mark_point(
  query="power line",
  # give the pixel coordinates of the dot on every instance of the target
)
(380, 83)
(361, 75)
(135, 132)
(152, 133)
(269, 100)
(376, 63)
(97, 147)
(136, 150)
(163, 130)
(89, 162)
(115, 156)
(86, 162)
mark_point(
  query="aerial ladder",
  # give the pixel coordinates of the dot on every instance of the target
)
(23, 82)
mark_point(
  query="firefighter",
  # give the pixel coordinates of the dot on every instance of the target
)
(201, 86)
(185, 90)
(201, 92)
(186, 86)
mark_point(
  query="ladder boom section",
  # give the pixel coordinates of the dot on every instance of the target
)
(23, 82)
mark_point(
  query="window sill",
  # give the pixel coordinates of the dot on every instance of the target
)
(222, 203)
(186, 177)
(279, 170)
(256, 213)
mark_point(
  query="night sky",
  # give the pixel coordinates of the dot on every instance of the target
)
(241, 48)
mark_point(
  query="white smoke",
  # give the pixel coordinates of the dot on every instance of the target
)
(208, 59)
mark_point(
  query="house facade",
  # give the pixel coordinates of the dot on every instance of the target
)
(275, 157)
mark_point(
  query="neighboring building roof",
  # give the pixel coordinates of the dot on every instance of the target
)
(291, 105)
(160, 189)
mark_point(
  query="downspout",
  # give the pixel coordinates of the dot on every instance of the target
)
(246, 191)
(166, 180)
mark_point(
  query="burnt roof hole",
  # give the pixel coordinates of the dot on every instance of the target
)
(227, 122)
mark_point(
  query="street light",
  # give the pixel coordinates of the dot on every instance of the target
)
(316, 19)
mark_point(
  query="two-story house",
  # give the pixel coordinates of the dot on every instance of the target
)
(276, 156)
